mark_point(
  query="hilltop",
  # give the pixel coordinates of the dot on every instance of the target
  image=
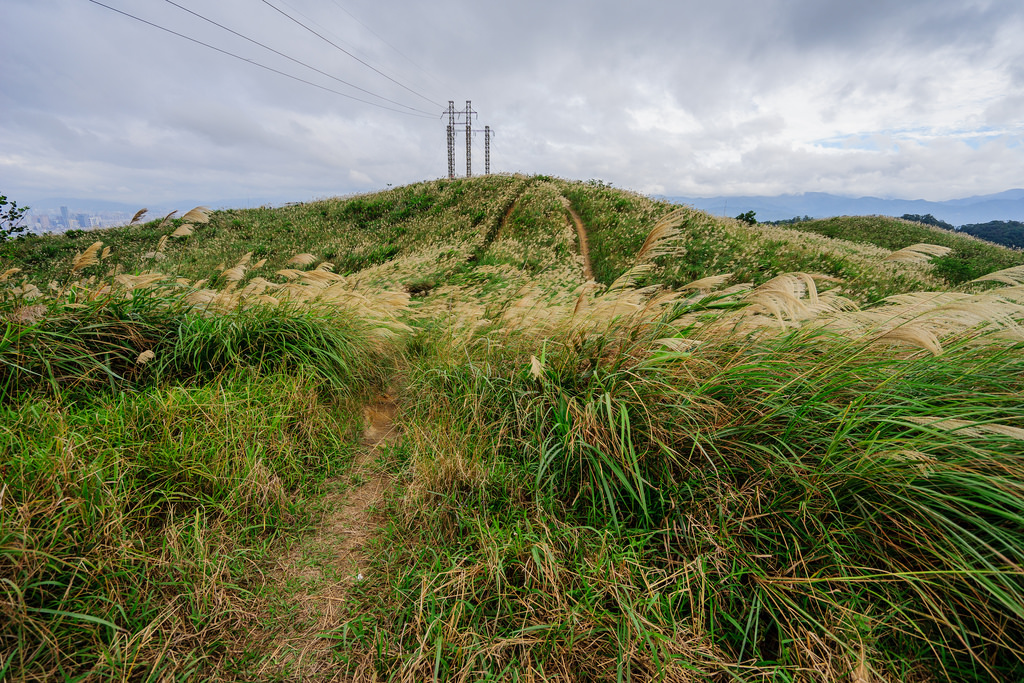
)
(482, 221)
(510, 428)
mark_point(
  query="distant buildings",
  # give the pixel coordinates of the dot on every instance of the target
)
(54, 220)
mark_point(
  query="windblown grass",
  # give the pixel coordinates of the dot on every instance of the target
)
(970, 257)
(796, 502)
(156, 436)
(760, 482)
(131, 526)
(742, 453)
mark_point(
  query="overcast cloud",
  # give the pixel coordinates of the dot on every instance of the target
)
(912, 99)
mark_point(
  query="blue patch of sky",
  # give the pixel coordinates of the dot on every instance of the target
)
(868, 142)
(875, 141)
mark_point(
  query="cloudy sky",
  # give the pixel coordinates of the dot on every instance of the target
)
(909, 99)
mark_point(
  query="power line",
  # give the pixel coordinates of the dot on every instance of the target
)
(333, 35)
(399, 52)
(366, 64)
(254, 63)
(277, 52)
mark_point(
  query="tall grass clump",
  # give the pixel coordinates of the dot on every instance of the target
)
(754, 482)
(157, 435)
(118, 343)
(123, 329)
(132, 526)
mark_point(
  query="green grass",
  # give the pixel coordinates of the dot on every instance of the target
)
(617, 223)
(591, 484)
(630, 512)
(971, 258)
(131, 524)
(78, 347)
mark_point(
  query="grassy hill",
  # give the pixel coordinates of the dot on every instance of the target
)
(739, 452)
(969, 257)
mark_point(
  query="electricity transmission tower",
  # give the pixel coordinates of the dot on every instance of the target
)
(487, 150)
(469, 139)
(451, 139)
(467, 114)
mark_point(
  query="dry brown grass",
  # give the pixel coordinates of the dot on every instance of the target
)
(918, 253)
(89, 257)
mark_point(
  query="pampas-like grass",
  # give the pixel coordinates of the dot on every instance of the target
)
(165, 220)
(629, 279)
(707, 283)
(923, 318)
(301, 260)
(1009, 276)
(660, 240)
(971, 428)
(916, 335)
(679, 344)
(87, 258)
(234, 274)
(918, 253)
(141, 281)
(26, 291)
(782, 297)
(199, 214)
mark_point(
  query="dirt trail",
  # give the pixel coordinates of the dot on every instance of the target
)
(581, 231)
(330, 560)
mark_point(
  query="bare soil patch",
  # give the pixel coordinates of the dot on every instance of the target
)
(581, 232)
(318, 572)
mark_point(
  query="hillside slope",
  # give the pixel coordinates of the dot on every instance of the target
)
(444, 232)
(970, 257)
(737, 453)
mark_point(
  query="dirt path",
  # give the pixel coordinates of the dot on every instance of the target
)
(329, 560)
(582, 232)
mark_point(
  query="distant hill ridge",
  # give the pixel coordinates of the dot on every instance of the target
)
(1002, 206)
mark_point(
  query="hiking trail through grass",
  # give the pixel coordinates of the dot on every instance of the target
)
(581, 231)
(316, 574)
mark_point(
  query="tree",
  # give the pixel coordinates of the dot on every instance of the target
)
(927, 219)
(1006, 233)
(10, 219)
(747, 218)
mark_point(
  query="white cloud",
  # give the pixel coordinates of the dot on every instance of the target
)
(918, 98)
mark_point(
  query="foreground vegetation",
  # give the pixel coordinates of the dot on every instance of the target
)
(741, 454)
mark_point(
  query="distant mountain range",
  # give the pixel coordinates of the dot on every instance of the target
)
(1003, 206)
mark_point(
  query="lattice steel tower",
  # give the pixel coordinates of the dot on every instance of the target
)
(451, 139)
(487, 150)
(469, 139)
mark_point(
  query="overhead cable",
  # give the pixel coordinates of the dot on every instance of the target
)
(336, 46)
(399, 52)
(254, 63)
(277, 52)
